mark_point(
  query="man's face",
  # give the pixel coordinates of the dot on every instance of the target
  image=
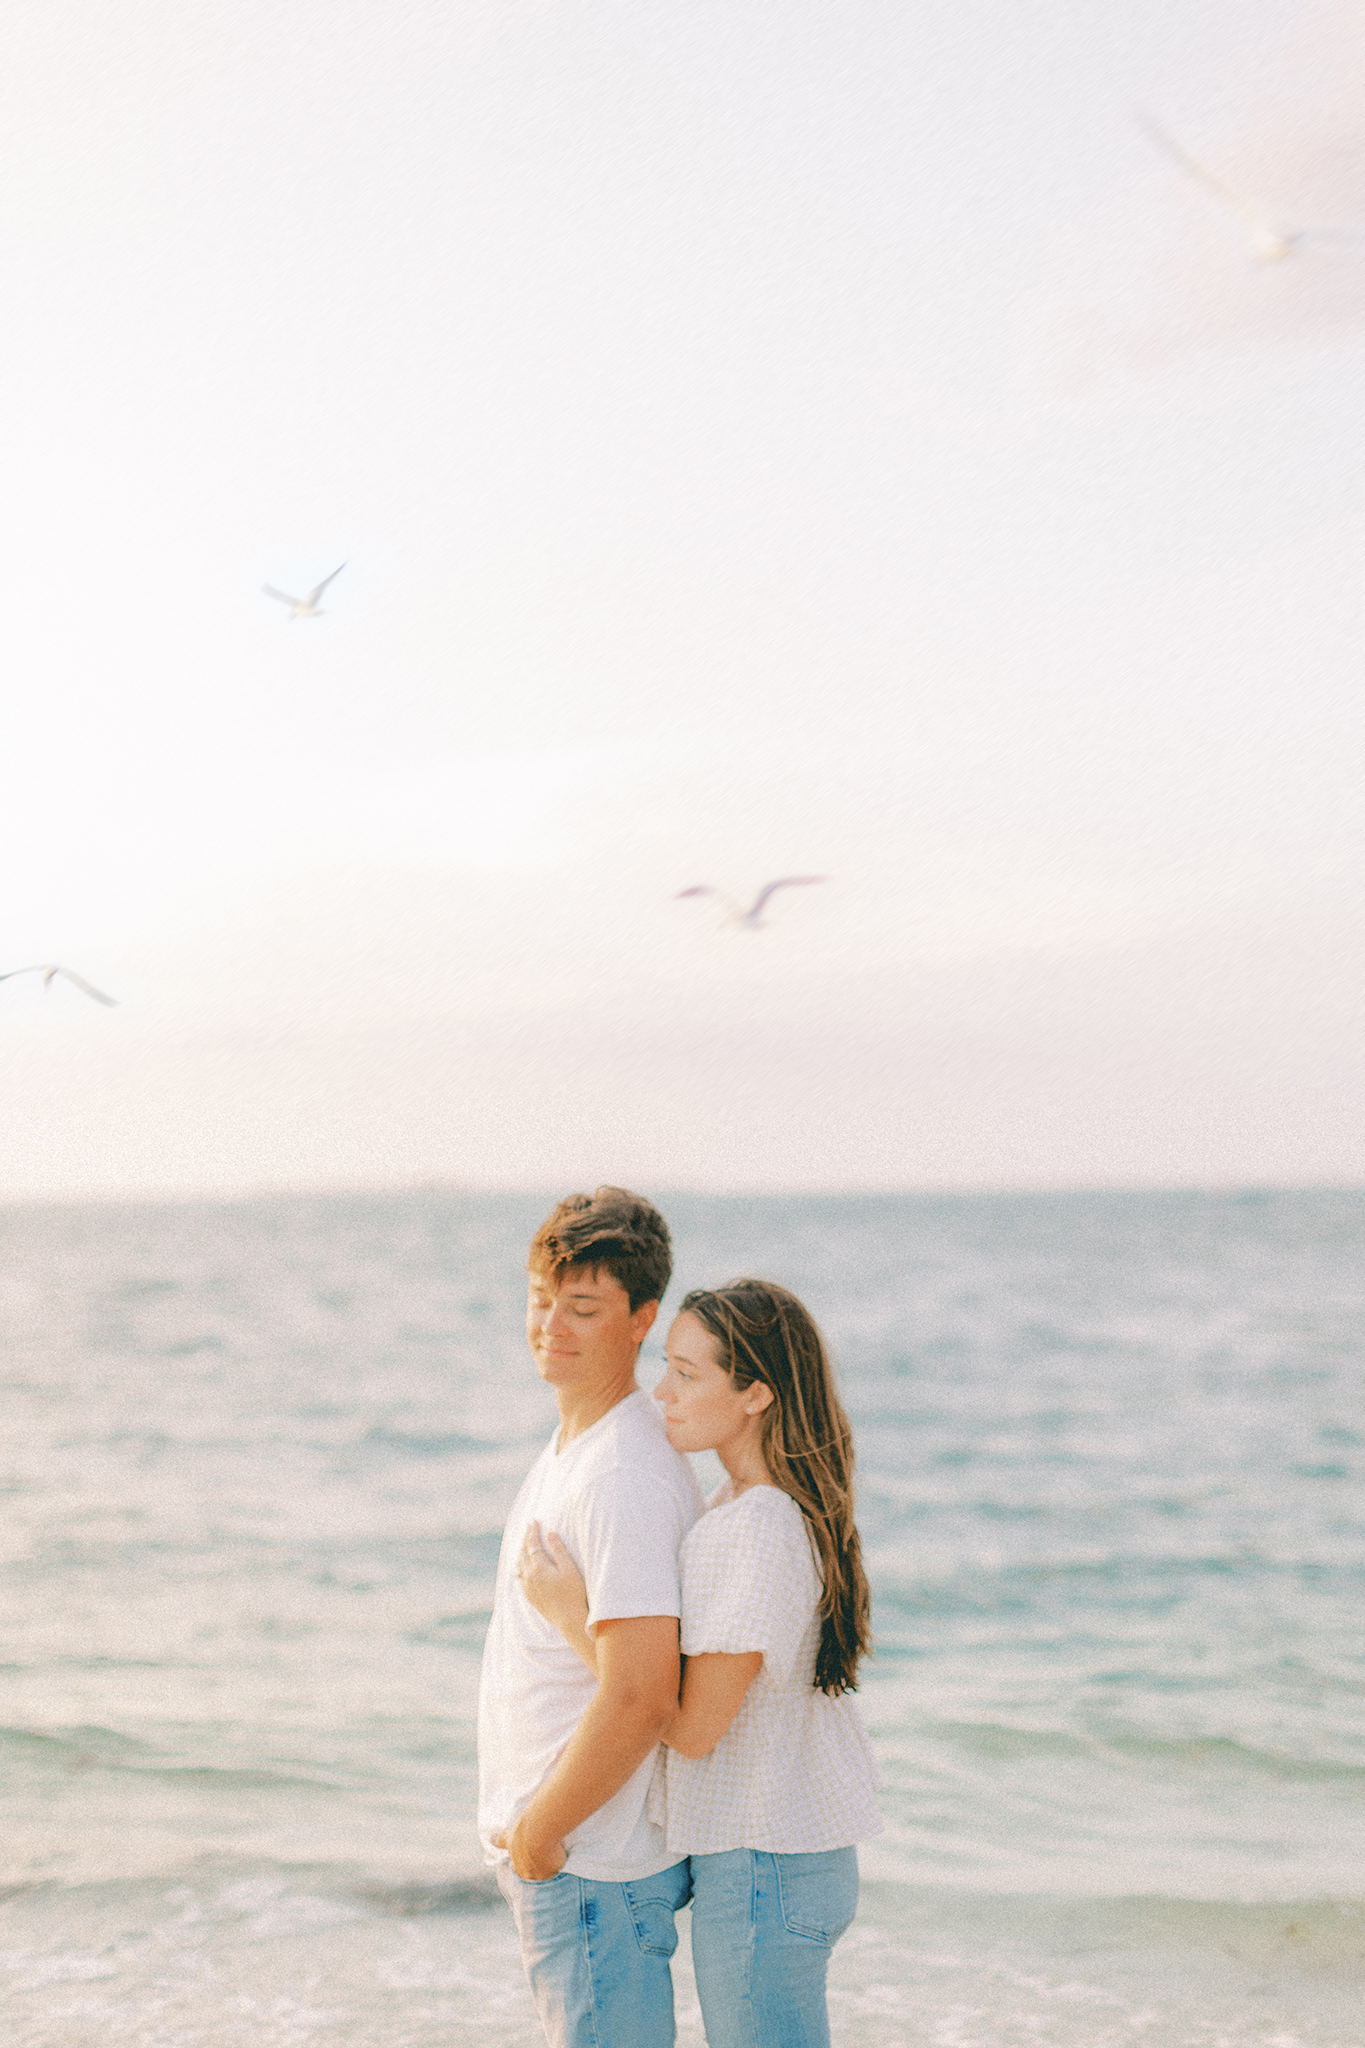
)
(581, 1328)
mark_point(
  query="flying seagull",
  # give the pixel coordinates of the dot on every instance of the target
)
(302, 607)
(1269, 240)
(752, 919)
(49, 972)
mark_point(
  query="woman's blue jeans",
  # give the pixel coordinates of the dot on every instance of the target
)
(763, 1927)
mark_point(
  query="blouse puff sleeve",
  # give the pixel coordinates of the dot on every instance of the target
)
(750, 1582)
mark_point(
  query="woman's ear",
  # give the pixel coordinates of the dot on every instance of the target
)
(758, 1397)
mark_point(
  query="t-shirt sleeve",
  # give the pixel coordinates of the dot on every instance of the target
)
(749, 1583)
(629, 1531)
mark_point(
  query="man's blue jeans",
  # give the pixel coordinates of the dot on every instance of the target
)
(763, 1927)
(596, 1955)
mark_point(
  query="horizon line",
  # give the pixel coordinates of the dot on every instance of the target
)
(266, 1191)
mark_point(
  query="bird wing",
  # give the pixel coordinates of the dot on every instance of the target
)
(784, 882)
(314, 595)
(1192, 168)
(731, 908)
(47, 971)
(81, 983)
(282, 595)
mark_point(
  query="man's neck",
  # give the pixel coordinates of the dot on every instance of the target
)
(579, 1408)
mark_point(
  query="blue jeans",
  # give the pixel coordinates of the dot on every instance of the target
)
(762, 1930)
(596, 1955)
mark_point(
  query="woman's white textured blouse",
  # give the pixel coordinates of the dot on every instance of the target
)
(794, 1772)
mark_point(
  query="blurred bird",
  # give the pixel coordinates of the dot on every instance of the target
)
(49, 972)
(1268, 239)
(303, 607)
(752, 919)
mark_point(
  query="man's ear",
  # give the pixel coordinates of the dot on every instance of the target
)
(642, 1320)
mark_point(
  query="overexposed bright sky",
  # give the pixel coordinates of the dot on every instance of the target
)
(763, 439)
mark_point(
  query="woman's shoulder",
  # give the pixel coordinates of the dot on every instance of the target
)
(764, 1513)
(771, 1503)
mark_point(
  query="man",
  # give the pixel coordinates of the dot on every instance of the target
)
(566, 1758)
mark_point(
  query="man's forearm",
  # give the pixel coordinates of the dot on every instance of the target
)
(637, 1692)
(611, 1741)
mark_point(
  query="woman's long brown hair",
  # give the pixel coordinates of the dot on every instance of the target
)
(763, 1333)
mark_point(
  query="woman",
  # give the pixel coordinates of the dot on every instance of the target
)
(767, 1779)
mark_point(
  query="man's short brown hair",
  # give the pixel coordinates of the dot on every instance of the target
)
(611, 1231)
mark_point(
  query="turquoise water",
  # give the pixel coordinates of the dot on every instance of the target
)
(255, 1461)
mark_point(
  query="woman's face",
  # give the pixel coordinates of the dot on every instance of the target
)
(703, 1408)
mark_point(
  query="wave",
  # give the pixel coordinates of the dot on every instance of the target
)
(240, 1884)
(406, 1901)
(327, 1560)
(104, 1750)
(999, 1742)
(455, 1631)
(401, 1443)
(1322, 1933)
(1137, 1579)
(1323, 1936)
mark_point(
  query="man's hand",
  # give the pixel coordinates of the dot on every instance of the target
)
(534, 1860)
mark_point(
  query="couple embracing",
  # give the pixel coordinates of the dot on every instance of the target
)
(617, 1779)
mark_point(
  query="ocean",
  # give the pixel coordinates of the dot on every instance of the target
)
(1112, 1490)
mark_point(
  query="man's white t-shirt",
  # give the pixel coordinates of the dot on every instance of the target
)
(622, 1499)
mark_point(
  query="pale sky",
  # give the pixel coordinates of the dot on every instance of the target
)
(763, 439)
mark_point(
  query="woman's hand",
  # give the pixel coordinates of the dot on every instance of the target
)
(554, 1586)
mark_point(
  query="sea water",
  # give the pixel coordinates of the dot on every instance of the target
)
(1112, 1489)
